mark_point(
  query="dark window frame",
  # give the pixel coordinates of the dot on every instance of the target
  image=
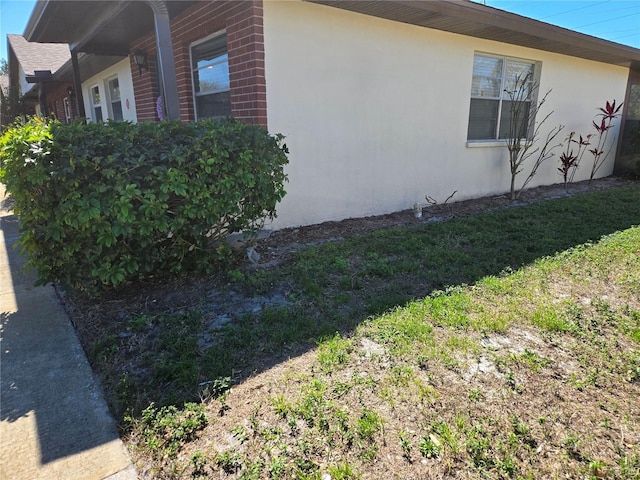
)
(211, 54)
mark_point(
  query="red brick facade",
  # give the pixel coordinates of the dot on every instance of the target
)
(243, 23)
(56, 95)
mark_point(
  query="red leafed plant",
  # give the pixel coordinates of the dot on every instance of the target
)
(600, 152)
(568, 160)
(610, 111)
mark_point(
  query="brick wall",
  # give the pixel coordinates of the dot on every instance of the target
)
(242, 21)
(55, 95)
(145, 82)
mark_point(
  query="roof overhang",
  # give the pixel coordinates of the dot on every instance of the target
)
(101, 27)
(107, 27)
(473, 19)
(89, 65)
(39, 76)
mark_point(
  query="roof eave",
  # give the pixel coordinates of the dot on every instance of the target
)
(35, 19)
(90, 65)
(473, 19)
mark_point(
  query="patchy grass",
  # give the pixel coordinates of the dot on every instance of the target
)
(503, 345)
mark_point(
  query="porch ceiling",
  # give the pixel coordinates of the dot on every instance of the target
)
(469, 18)
(90, 65)
(101, 27)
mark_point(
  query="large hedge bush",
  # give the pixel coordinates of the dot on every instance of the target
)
(103, 204)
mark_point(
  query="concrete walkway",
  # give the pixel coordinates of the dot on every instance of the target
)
(54, 422)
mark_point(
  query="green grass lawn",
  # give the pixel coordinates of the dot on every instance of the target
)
(502, 345)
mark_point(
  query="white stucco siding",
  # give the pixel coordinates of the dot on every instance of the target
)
(375, 112)
(25, 87)
(121, 70)
(577, 89)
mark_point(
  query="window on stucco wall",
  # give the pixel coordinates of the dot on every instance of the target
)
(491, 106)
(210, 67)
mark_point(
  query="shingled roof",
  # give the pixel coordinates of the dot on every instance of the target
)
(38, 56)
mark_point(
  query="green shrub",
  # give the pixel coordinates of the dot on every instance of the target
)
(104, 204)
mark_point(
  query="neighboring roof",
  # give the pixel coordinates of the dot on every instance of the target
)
(4, 82)
(38, 56)
(56, 57)
(469, 18)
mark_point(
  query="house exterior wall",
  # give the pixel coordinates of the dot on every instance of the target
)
(121, 70)
(242, 22)
(17, 77)
(57, 95)
(376, 112)
(24, 85)
(145, 83)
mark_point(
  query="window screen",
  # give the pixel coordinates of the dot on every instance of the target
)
(495, 82)
(210, 67)
(96, 105)
(116, 102)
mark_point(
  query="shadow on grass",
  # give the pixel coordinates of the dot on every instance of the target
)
(335, 287)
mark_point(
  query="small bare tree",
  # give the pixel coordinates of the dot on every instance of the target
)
(524, 131)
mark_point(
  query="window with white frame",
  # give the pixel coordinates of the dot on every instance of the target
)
(497, 82)
(96, 105)
(114, 99)
(67, 109)
(210, 67)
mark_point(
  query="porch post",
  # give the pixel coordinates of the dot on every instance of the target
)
(166, 63)
(77, 85)
(42, 96)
